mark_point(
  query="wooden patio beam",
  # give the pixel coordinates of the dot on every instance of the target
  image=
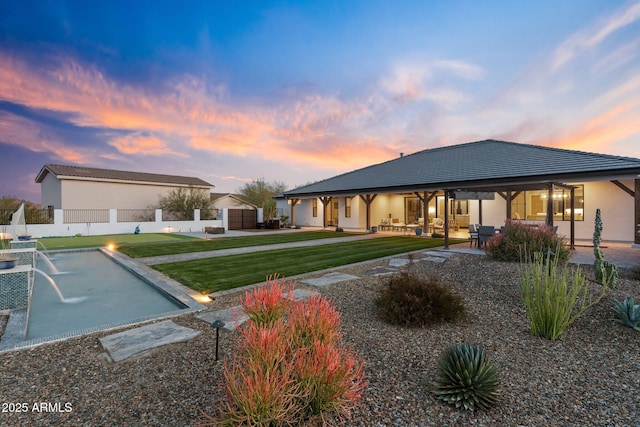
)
(624, 188)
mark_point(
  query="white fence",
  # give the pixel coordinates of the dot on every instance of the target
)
(109, 224)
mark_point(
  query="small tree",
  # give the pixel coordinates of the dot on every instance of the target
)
(182, 202)
(260, 193)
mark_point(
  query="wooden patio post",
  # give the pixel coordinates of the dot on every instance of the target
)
(446, 219)
(293, 211)
(550, 206)
(636, 222)
(368, 199)
(572, 237)
(325, 200)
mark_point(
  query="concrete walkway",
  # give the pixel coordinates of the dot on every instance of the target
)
(621, 254)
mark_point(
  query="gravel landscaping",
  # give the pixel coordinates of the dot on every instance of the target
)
(589, 377)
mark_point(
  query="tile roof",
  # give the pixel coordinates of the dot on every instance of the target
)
(474, 165)
(117, 175)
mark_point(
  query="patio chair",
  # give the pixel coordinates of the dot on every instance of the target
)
(438, 225)
(473, 234)
(485, 232)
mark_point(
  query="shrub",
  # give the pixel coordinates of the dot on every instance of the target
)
(261, 386)
(292, 368)
(265, 304)
(628, 313)
(519, 241)
(411, 301)
(553, 297)
(466, 378)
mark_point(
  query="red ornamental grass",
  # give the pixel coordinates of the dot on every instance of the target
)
(313, 319)
(290, 367)
(259, 395)
(332, 379)
(264, 344)
(266, 304)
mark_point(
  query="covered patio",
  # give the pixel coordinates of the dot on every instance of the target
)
(486, 181)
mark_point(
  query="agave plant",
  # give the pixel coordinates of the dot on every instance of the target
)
(628, 313)
(467, 380)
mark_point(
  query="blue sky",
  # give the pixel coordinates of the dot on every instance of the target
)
(300, 91)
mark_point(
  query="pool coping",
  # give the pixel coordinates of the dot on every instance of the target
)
(15, 329)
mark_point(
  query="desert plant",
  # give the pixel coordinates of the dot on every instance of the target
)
(628, 313)
(466, 378)
(265, 304)
(409, 300)
(518, 241)
(313, 319)
(291, 368)
(331, 378)
(553, 296)
(181, 203)
(605, 272)
(260, 383)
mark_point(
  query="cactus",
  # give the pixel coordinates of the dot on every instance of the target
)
(605, 272)
(467, 380)
(628, 313)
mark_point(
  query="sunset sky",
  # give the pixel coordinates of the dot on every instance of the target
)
(297, 91)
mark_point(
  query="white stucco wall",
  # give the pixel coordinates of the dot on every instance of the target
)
(81, 194)
(51, 192)
(616, 206)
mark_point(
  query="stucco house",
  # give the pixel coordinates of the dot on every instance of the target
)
(79, 187)
(483, 182)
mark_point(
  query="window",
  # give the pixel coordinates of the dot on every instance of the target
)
(347, 207)
(314, 205)
(532, 205)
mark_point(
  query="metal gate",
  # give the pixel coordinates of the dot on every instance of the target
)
(242, 219)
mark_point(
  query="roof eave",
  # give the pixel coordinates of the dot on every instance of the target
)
(485, 184)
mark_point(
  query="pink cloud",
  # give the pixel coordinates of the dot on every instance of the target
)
(144, 145)
(34, 137)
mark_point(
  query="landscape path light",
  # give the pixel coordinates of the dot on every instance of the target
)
(217, 324)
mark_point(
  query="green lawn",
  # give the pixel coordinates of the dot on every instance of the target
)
(53, 243)
(199, 245)
(228, 272)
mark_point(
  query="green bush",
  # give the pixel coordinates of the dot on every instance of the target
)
(467, 379)
(518, 241)
(411, 301)
(554, 298)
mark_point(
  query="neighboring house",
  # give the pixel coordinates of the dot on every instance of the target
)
(230, 201)
(79, 187)
(480, 182)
